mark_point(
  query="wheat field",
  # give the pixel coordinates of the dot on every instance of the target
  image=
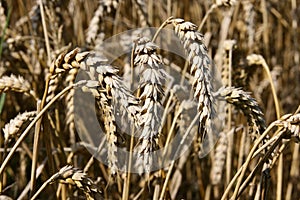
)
(187, 99)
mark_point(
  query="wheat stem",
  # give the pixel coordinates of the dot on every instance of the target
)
(230, 185)
(261, 162)
(35, 149)
(276, 101)
(206, 16)
(45, 31)
(41, 188)
(161, 197)
(245, 166)
(127, 178)
(165, 23)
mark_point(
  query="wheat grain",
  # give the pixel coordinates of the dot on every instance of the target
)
(53, 84)
(75, 60)
(108, 119)
(67, 61)
(34, 16)
(112, 84)
(200, 63)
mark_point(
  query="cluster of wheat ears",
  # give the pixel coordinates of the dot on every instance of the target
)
(246, 129)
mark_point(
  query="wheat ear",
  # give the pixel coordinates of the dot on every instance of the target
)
(105, 7)
(220, 157)
(248, 105)
(111, 95)
(193, 43)
(12, 128)
(152, 78)
(73, 176)
(17, 84)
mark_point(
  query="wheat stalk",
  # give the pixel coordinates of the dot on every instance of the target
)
(193, 44)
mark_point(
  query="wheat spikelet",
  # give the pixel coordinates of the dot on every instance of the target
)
(111, 132)
(70, 175)
(105, 7)
(52, 11)
(108, 119)
(17, 84)
(220, 157)
(152, 78)
(67, 61)
(12, 128)
(248, 105)
(200, 63)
